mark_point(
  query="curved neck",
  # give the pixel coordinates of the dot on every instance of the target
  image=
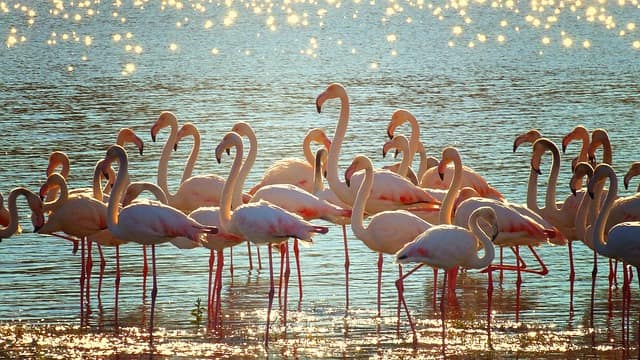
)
(407, 158)
(357, 212)
(338, 187)
(446, 211)
(317, 171)
(119, 188)
(424, 163)
(163, 164)
(12, 227)
(532, 191)
(245, 168)
(601, 220)
(584, 149)
(306, 150)
(56, 180)
(489, 250)
(228, 189)
(414, 138)
(550, 197)
(193, 155)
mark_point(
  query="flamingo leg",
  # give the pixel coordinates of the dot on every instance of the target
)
(625, 283)
(145, 271)
(89, 265)
(518, 284)
(572, 276)
(280, 283)
(259, 257)
(230, 261)
(287, 274)
(435, 287)
(346, 265)
(296, 252)
(117, 291)
(249, 254)
(154, 292)
(442, 312)
(489, 304)
(218, 290)
(271, 293)
(501, 263)
(210, 287)
(82, 281)
(594, 273)
(379, 282)
(400, 288)
(610, 289)
(103, 264)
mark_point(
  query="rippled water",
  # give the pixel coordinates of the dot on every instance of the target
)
(474, 74)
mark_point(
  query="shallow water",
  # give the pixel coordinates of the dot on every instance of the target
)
(73, 82)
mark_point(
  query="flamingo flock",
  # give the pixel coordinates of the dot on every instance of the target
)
(442, 215)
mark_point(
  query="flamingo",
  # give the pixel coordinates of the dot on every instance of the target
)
(587, 211)
(447, 247)
(77, 215)
(622, 241)
(146, 223)
(387, 231)
(634, 170)
(392, 191)
(600, 137)
(295, 171)
(399, 117)
(561, 214)
(580, 133)
(401, 144)
(260, 222)
(5, 216)
(518, 226)
(12, 224)
(197, 190)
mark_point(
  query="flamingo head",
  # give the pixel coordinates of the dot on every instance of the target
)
(449, 155)
(359, 162)
(127, 135)
(529, 137)
(578, 132)
(58, 158)
(334, 90)
(634, 170)
(230, 139)
(166, 118)
(397, 119)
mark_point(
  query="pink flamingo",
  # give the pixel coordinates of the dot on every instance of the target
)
(620, 242)
(76, 215)
(401, 144)
(587, 211)
(398, 118)
(10, 228)
(600, 137)
(295, 171)
(519, 226)
(5, 216)
(404, 193)
(561, 214)
(634, 170)
(260, 222)
(387, 231)
(577, 133)
(448, 247)
(195, 191)
(146, 223)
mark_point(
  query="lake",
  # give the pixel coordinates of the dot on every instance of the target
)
(475, 74)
